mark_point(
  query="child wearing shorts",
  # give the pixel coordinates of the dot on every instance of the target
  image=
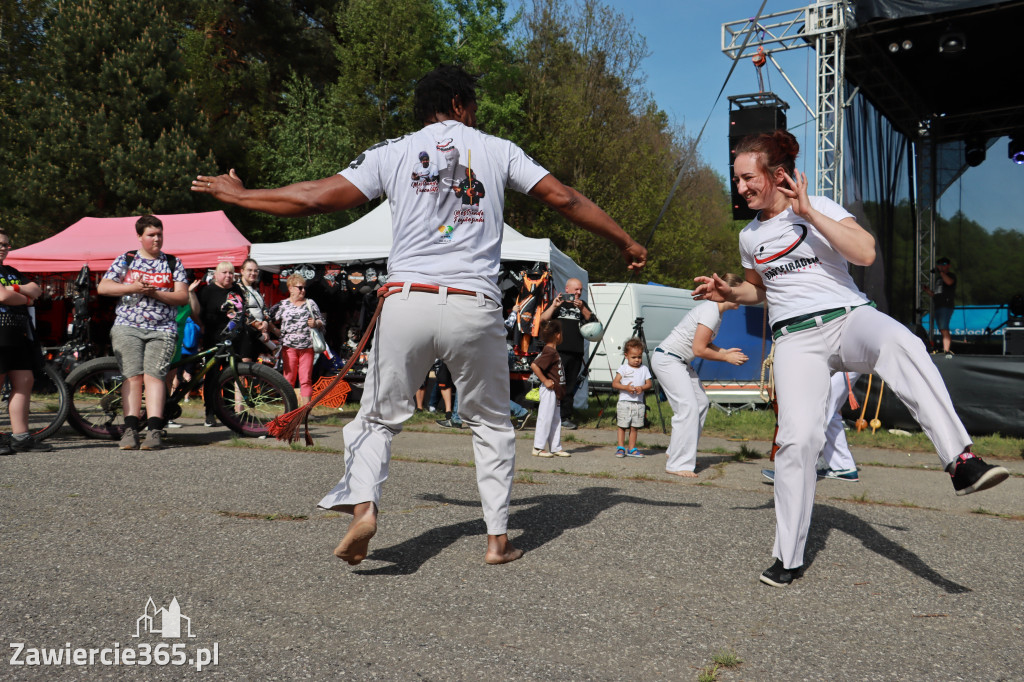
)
(632, 378)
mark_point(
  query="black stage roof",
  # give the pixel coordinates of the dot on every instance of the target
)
(974, 91)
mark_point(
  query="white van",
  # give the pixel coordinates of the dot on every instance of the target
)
(660, 307)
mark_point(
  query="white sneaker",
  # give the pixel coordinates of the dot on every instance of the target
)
(541, 453)
(561, 453)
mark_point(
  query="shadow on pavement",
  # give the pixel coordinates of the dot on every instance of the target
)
(544, 518)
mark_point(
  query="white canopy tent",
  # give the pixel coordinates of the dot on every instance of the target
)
(369, 239)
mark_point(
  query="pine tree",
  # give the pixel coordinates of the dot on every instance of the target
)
(108, 125)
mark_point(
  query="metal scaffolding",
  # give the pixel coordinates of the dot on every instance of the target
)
(822, 25)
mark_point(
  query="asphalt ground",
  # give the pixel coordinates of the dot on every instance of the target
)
(629, 573)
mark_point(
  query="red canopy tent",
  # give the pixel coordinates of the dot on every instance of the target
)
(199, 240)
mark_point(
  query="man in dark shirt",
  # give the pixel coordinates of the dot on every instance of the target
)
(572, 311)
(212, 307)
(943, 297)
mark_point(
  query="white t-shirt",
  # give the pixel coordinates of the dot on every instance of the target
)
(680, 339)
(632, 376)
(801, 271)
(448, 230)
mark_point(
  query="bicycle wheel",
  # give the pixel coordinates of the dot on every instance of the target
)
(48, 404)
(95, 388)
(247, 404)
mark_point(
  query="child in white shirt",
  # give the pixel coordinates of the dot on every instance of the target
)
(631, 380)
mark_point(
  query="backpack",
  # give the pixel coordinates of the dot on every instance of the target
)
(129, 256)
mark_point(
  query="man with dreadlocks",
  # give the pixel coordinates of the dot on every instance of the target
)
(444, 260)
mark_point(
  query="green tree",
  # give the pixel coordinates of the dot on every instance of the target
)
(383, 47)
(306, 141)
(108, 125)
(590, 121)
(240, 54)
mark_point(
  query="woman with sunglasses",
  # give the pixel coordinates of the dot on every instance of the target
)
(295, 317)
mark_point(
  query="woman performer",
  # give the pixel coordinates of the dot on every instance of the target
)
(796, 254)
(671, 362)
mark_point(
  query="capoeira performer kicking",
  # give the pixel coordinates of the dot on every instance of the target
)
(796, 255)
(444, 260)
(671, 362)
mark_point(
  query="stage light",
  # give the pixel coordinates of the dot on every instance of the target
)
(974, 152)
(1016, 148)
(952, 43)
(907, 44)
(894, 47)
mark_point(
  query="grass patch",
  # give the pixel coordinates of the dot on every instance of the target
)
(641, 477)
(746, 454)
(708, 673)
(252, 516)
(721, 659)
(526, 478)
(726, 659)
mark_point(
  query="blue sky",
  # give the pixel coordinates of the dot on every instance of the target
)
(686, 69)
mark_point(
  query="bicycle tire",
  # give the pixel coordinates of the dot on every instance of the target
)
(49, 403)
(95, 399)
(266, 395)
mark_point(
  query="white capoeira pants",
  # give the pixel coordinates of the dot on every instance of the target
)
(864, 340)
(837, 453)
(689, 404)
(414, 328)
(549, 422)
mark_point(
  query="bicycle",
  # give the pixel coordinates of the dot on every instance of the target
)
(49, 403)
(248, 396)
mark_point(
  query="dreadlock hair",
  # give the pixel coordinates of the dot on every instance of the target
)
(436, 90)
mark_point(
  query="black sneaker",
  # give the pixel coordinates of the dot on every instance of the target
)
(568, 424)
(5, 448)
(522, 421)
(777, 576)
(29, 444)
(446, 423)
(211, 420)
(971, 474)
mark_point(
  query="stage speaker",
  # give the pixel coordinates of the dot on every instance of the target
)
(751, 115)
(1013, 341)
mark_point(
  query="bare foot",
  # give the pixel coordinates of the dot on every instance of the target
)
(356, 543)
(684, 474)
(500, 550)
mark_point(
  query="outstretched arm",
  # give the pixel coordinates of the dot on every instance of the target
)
(714, 288)
(300, 199)
(585, 213)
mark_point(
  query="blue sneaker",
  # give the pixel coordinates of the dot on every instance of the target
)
(848, 475)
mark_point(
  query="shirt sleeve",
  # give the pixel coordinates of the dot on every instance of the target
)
(365, 171)
(179, 274)
(523, 171)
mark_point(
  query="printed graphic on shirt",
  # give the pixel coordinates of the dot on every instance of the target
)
(446, 234)
(425, 175)
(463, 183)
(776, 250)
(139, 310)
